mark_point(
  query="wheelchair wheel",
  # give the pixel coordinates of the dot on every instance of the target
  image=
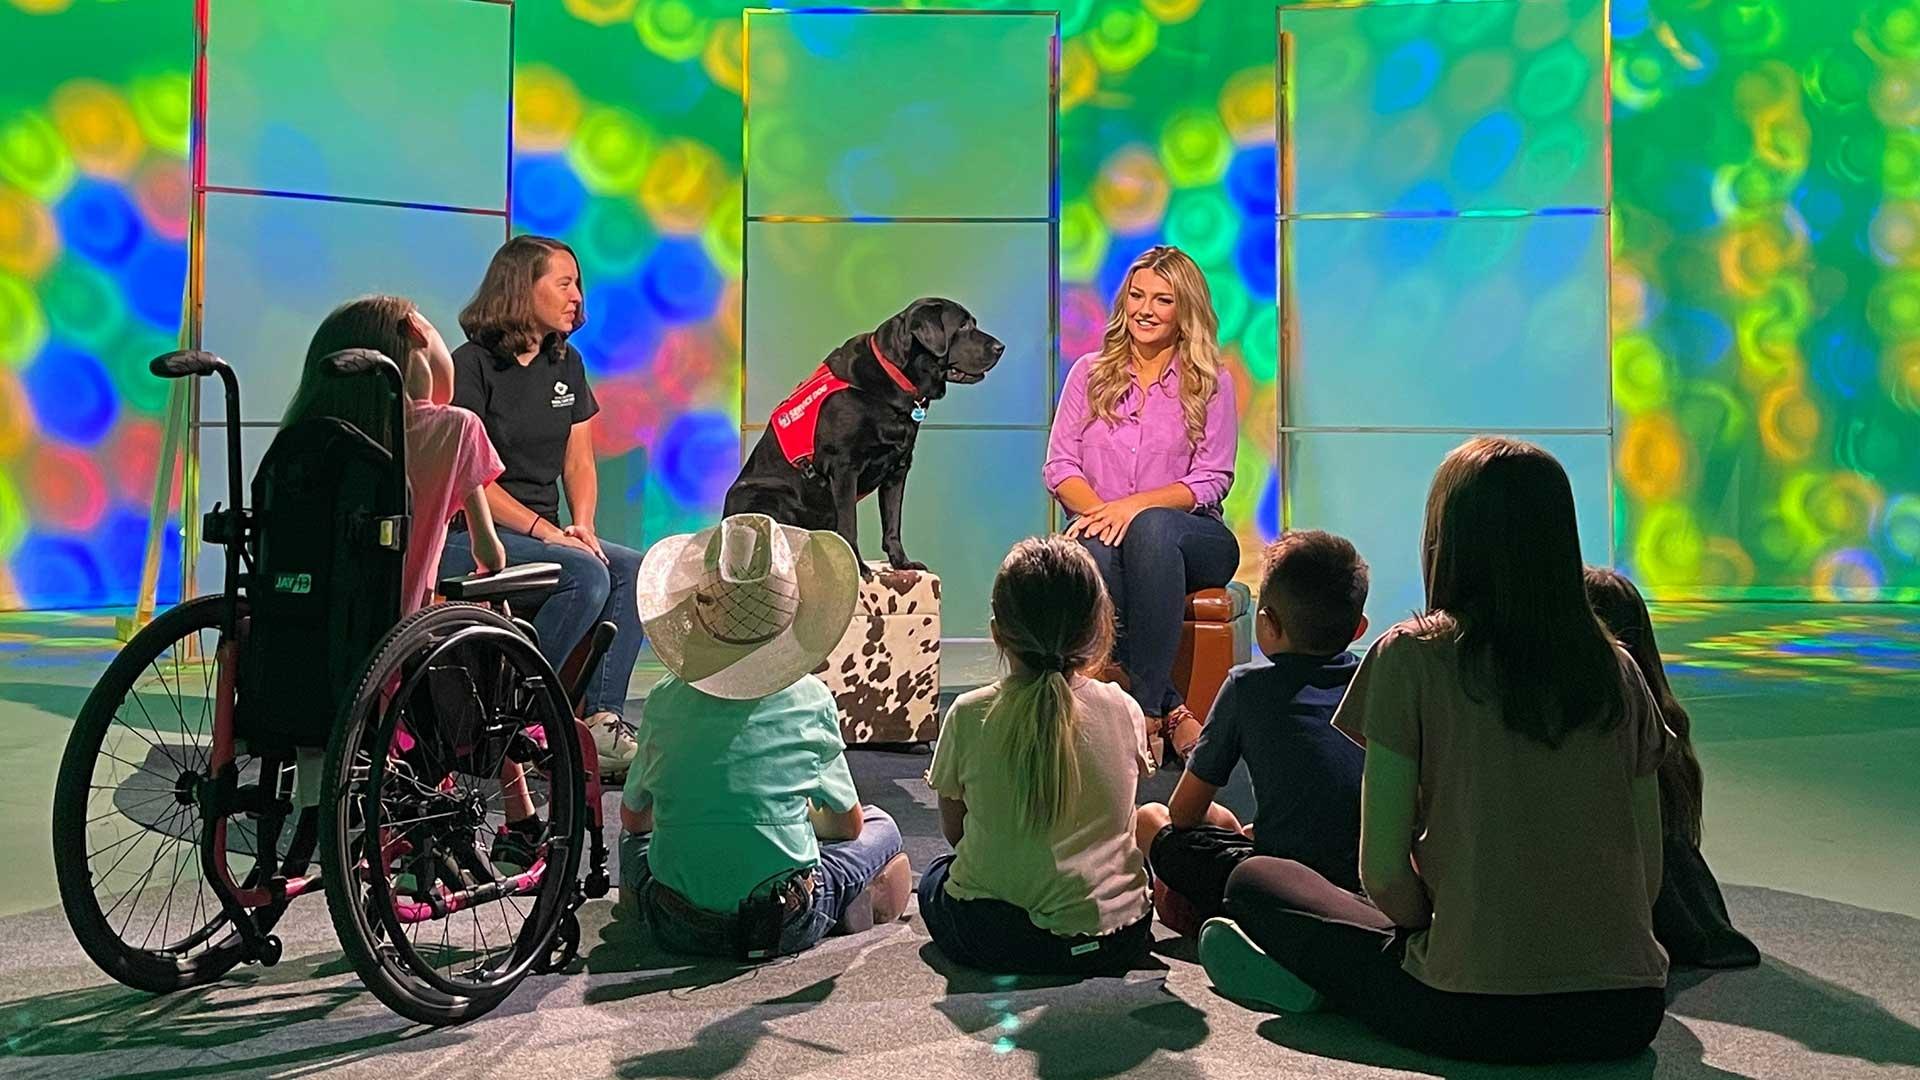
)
(127, 823)
(439, 921)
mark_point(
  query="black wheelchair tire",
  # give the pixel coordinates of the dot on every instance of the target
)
(156, 971)
(357, 927)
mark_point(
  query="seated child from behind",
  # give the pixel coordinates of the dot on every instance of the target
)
(1276, 716)
(742, 832)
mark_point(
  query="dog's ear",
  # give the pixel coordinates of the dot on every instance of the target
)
(931, 325)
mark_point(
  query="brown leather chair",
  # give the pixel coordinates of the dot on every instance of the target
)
(1216, 632)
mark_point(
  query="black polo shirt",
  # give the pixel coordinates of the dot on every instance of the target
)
(529, 411)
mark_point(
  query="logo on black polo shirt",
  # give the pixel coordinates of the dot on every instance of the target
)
(562, 396)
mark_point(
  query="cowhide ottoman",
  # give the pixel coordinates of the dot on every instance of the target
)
(885, 673)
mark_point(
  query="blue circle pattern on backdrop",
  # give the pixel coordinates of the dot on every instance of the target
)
(56, 572)
(1255, 255)
(1407, 76)
(152, 280)
(1486, 150)
(120, 545)
(679, 282)
(1250, 180)
(622, 329)
(72, 396)
(97, 220)
(685, 454)
(547, 196)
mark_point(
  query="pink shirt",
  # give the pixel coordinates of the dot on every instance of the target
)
(1146, 447)
(448, 457)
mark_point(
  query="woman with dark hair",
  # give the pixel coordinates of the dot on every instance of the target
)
(1509, 815)
(1690, 916)
(529, 386)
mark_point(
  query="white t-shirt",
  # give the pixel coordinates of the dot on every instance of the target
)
(1085, 875)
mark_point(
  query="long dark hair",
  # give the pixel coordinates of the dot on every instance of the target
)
(371, 322)
(1501, 556)
(500, 315)
(1051, 610)
(1624, 611)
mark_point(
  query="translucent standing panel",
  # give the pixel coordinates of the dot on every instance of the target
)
(971, 495)
(923, 115)
(399, 100)
(1452, 106)
(274, 267)
(813, 285)
(1449, 322)
(1372, 489)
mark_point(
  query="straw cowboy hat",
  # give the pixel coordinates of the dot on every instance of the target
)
(745, 608)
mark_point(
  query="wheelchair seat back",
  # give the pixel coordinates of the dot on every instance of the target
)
(329, 542)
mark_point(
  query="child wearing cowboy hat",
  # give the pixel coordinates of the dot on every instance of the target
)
(742, 834)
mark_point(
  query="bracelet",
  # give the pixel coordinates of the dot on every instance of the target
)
(533, 530)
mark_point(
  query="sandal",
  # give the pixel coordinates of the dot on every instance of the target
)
(1183, 731)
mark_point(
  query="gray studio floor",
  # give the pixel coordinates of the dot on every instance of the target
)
(1807, 724)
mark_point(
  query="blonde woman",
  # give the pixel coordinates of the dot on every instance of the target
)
(1141, 455)
(1036, 776)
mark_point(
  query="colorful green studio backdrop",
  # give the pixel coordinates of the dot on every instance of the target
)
(1766, 288)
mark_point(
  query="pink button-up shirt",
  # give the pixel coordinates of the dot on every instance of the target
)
(1147, 446)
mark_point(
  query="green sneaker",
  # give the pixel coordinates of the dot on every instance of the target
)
(1240, 970)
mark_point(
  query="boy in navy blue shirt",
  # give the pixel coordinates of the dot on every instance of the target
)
(1275, 714)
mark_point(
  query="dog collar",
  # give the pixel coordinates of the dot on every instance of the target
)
(899, 379)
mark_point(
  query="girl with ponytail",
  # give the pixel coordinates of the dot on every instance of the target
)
(1036, 775)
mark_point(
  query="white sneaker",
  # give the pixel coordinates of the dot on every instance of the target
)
(614, 742)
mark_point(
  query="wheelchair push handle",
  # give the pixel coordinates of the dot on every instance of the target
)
(184, 362)
(361, 361)
(348, 363)
(193, 363)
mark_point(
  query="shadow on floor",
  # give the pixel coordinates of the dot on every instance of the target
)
(242, 1023)
(1073, 1026)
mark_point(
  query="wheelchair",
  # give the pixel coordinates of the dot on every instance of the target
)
(293, 734)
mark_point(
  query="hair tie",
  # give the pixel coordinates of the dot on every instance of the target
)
(1053, 662)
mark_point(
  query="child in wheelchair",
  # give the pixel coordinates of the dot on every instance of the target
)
(449, 463)
(742, 834)
(449, 459)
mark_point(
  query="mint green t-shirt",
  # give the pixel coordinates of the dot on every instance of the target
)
(729, 783)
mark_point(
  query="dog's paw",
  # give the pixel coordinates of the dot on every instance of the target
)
(867, 570)
(904, 563)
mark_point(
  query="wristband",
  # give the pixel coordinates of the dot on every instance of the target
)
(534, 529)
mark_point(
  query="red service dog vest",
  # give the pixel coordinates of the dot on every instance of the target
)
(795, 419)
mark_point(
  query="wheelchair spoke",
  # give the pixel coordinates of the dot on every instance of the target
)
(122, 811)
(159, 849)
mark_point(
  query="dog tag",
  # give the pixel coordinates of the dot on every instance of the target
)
(919, 413)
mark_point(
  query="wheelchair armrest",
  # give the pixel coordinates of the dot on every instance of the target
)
(514, 581)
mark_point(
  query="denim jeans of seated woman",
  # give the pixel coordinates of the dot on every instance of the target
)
(846, 869)
(1165, 555)
(589, 592)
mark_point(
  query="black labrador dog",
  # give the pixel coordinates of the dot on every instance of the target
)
(867, 402)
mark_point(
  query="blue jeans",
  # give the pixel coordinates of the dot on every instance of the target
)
(845, 870)
(589, 591)
(1165, 555)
